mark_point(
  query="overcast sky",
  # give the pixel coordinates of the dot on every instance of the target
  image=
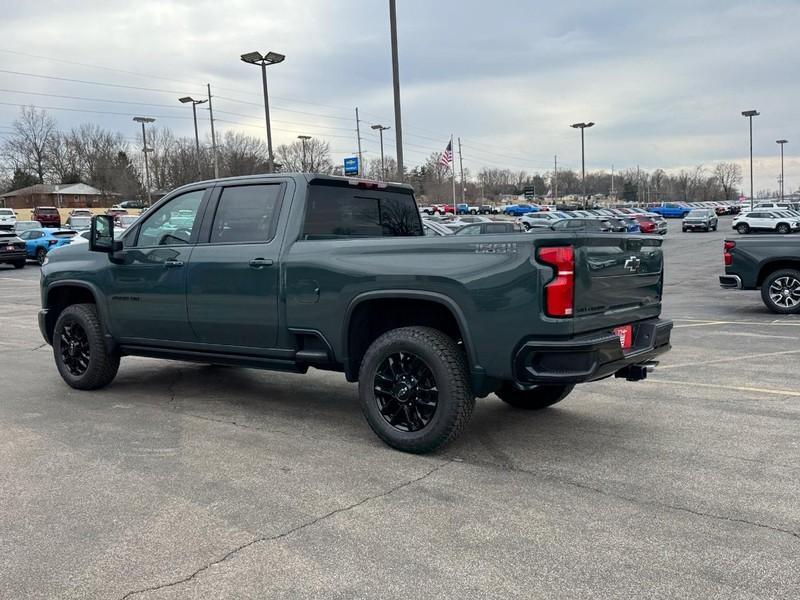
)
(665, 82)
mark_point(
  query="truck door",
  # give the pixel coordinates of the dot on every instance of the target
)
(147, 298)
(233, 278)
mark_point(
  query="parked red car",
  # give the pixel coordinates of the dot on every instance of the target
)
(646, 224)
(48, 216)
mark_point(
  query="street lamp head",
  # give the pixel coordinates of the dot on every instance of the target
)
(582, 125)
(144, 119)
(781, 142)
(750, 113)
(303, 137)
(272, 58)
(186, 99)
(254, 58)
(590, 124)
(380, 127)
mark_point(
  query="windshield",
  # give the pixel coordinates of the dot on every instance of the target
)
(80, 221)
(697, 214)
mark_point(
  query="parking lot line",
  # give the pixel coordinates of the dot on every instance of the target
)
(728, 359)
(699, 323)
(734, 388)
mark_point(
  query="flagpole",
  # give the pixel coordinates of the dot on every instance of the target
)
(453, 173)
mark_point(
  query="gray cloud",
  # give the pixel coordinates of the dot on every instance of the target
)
(665, 82)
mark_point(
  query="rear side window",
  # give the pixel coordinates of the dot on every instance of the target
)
(347, 212)
(246, 214)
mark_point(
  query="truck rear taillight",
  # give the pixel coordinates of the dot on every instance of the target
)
(559, 294)
(727, 254)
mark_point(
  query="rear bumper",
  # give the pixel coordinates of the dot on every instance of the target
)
(591, 358)
(730, 282)
(14, 256)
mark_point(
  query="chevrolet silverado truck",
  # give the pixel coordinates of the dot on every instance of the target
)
(770, 263)
(287, 272)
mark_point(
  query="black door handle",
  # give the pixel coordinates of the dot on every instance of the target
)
(173, 263)
(260, 262)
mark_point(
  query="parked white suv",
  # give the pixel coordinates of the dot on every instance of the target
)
(767, 220)
(8, 219)
(772, 206)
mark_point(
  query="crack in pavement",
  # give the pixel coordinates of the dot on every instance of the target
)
(288, 532)
(39, 347)
(633, 500)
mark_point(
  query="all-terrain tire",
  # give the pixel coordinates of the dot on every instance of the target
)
(536, 397)
(82, 321)
(448, 366)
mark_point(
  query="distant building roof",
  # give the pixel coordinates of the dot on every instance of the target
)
(76, 189)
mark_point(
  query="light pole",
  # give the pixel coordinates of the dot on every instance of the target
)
(750, 114)
(583, 126)
(270, 58)
(303, 138)
(782, 142)
(185, 100)
(398, 127)
(381, 129)
(145, 150)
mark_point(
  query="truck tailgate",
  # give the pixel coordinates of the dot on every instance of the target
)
(618, 280)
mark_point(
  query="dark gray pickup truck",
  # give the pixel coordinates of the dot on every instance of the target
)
(770, 263)
(287, 272)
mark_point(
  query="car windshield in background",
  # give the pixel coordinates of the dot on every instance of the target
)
(80, 222)
(697, 214)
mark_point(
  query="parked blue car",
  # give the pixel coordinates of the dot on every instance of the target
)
(670, 210)
(517, 210)
(38, 242)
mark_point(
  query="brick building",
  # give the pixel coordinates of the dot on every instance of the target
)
(65, 195)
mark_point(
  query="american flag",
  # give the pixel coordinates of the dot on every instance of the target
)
(447, 155)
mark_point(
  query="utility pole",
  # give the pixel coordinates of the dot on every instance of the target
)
(303, 139)
(145, 150)
(582, 127)
(398, 127)
(461, 163)
(750, 114)
(781, 143)
(612, 180)
(453, 174)
(555, 179)
(194, 103)
(360, 157)
(381, 129)
(270, 58)
(213, 135)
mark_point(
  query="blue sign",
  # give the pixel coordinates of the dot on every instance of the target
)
(351, 165)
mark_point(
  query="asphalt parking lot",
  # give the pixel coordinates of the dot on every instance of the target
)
(187, 481)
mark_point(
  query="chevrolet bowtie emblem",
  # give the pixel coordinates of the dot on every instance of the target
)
(633, 263)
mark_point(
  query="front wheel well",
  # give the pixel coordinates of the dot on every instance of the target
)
(372, 318)
(770, 268)
(59, 298)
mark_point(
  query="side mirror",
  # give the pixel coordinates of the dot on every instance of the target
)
(101, 238)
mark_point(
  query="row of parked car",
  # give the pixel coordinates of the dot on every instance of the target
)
(21, 241)
(49, 216)
(616, 220)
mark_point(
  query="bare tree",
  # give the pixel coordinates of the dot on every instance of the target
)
(729, 176)
(312, 157)
(31, 137)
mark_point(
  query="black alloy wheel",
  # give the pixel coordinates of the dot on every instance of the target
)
(406, 391)
(41, 254)
(781, 292)
(783, 228)
(75, 348)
